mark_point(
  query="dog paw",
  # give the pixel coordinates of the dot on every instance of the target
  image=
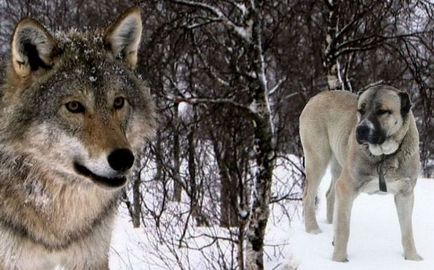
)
(413, 257)
(340, 258)
(314, 231)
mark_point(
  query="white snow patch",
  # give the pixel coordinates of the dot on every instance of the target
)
(375, 239)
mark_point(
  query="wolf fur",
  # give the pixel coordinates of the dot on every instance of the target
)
(73, 116)
(360, 137)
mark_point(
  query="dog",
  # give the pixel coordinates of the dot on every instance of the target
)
(73, 116)
(371, 143)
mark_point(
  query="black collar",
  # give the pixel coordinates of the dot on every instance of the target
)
(381, 174)
(380, 165)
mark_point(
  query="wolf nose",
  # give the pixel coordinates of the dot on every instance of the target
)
(121, 159)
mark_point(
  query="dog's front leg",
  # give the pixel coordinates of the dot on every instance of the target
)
(404, 207)
(345, 196)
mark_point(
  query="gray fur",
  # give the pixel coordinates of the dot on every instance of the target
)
(50, 215)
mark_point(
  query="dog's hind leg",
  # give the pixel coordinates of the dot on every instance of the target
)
(316, 161)
(330, 195)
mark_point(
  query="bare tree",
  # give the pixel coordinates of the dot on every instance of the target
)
(230, 79)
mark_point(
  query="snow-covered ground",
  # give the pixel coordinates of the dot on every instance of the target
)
(374, 241)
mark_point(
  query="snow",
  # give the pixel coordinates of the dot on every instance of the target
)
(374, 241)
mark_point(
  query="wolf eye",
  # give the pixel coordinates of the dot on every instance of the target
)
(75, 107)
(118, 103)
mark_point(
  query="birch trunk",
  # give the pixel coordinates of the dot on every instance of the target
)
(263, 150)
(330, 62)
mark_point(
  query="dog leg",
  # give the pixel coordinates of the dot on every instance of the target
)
(330, 195)
(404, 207)
(310, 222)
(345, 196)
(313, 179)
(316, 164)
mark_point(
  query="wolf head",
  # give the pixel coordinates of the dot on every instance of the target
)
(72, 102)
(382, 111)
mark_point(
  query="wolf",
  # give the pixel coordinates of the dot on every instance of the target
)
(372, 145)
(74, 115)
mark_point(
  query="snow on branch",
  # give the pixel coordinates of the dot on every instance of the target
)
(243, 32)
(380, 82)
(221, 101)
(278, 84)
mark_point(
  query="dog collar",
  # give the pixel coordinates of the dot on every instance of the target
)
(381, 174)
(380, 166)
(380, 169)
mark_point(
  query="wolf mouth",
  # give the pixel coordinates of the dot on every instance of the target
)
(104, 181)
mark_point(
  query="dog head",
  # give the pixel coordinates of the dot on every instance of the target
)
(73, 102)
(381, 113)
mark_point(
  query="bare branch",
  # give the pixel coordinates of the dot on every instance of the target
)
(244, 32)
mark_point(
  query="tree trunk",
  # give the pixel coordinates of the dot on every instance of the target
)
(137, 203)
(195, 206)
(227, 164)
(228, 200)
(177, 187)
(263, 151)
(261, 195)
(330, 62)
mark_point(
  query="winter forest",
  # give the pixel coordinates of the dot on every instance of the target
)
(222, 182)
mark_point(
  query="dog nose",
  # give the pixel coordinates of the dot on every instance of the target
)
(362, 134)
(121, 159)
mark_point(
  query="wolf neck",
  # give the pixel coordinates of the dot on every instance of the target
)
(49, 211)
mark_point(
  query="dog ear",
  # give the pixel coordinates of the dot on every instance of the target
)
(33, 48)
(122, 38)
(405, 103)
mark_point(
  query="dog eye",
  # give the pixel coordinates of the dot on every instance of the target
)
(381, 112)
(75, 107)
(118, 103)
(361, 111)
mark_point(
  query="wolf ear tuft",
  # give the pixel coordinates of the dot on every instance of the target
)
(405, 103)
(122, 38)
(33, 48)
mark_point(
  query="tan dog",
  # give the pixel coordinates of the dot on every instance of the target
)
(372, 145)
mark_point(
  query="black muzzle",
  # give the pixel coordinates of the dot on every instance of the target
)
(368, 135)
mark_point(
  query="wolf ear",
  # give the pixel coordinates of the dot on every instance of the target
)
(405, 103)
(32, 48)
(122, 38)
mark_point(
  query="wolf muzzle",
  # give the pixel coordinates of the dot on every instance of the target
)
(120, 160)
